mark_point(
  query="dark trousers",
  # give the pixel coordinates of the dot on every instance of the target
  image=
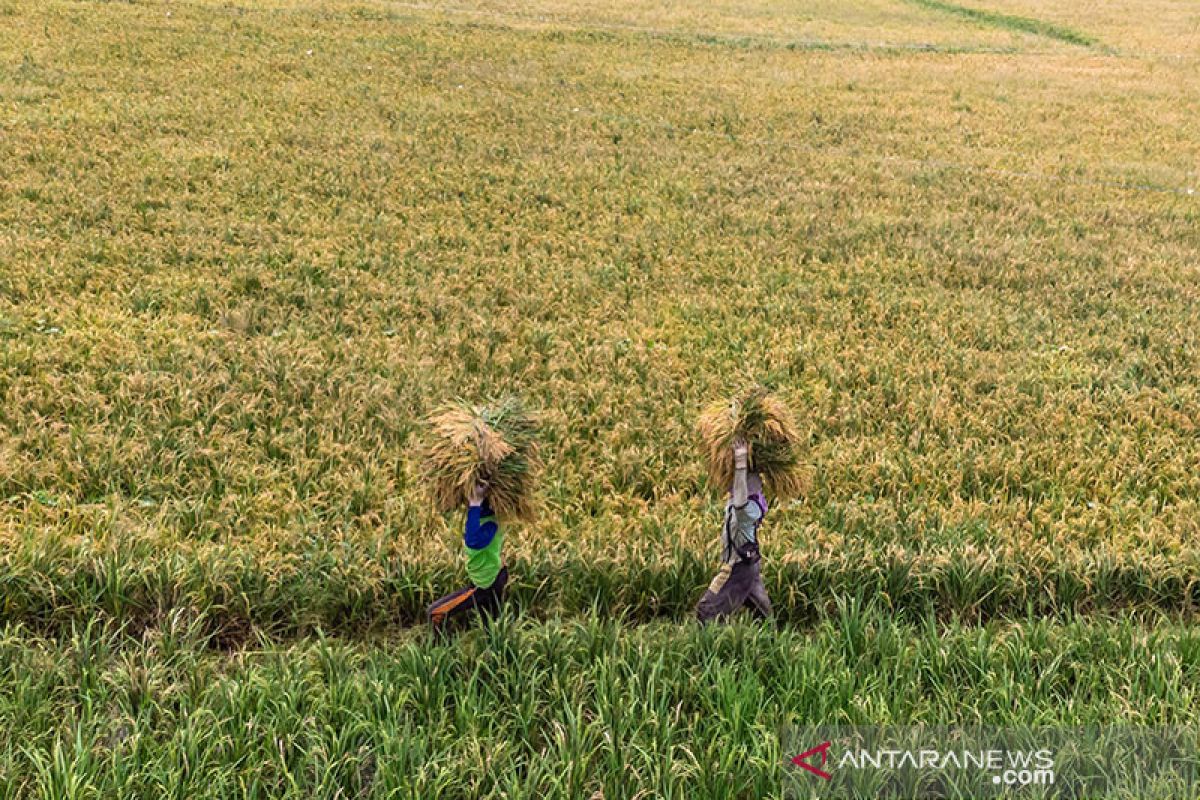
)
(457, 605)
(734, 586)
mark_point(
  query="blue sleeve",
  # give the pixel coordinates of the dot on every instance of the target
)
(481, 527)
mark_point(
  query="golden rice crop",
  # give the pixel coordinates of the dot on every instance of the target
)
(494, 443)
(217, 351)
(770, 430)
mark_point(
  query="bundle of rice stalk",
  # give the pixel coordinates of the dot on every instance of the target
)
(770, 430)
(495, 443)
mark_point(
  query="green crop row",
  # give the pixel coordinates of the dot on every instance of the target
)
(560, 709)
(233, 592)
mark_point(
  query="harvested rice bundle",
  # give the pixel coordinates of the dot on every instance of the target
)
(768, 427)
(495, 443)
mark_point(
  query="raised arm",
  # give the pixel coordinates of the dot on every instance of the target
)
(741, 460)
(481, 525)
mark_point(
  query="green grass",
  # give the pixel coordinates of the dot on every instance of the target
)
(562, 709)
(1009, 21)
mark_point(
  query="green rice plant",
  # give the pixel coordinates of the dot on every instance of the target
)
(768, 427)
(545, 709)
(494, 443)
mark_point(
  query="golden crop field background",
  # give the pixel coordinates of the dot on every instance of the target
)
(245, 248)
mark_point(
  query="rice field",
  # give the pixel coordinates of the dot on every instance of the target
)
(248, 248)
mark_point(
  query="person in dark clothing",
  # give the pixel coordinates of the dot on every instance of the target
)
(739, 582)
(482, 540)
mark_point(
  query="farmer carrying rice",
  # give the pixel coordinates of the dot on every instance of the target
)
(488, 456)
(485, 567)
(739, 580)
(747, 440)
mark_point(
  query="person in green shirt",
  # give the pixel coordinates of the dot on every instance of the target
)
(485, 567)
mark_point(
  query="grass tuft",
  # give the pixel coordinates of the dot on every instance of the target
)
(1011, 22)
